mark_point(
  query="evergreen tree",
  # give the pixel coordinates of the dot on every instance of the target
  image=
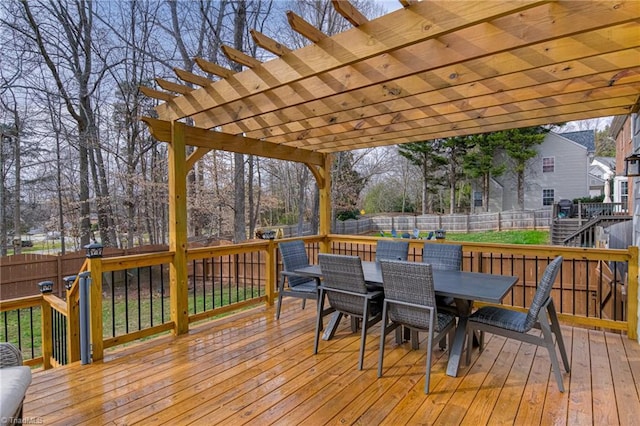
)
(520, 146)
(479, 162)
(427, 155)
(456, 150)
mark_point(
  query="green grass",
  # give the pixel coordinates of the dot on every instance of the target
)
(502, 237)
(14, 329)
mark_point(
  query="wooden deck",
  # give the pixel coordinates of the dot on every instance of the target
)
(250, 368)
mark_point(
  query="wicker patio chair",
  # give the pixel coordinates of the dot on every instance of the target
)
(294, 256)
(344, 286)
(443, 257)
(516, 325)
(392, 250)
(15, 378)
(410, 302)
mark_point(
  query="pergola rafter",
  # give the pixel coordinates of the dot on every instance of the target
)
(432, 69)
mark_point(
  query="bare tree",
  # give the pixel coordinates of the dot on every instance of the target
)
(63, 38)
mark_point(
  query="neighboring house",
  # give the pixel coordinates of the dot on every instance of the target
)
(601, 170)
(559, 171)
(625, 129)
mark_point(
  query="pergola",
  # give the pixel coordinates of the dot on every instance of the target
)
(432, 69)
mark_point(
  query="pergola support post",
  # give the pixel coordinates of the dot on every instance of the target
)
(324, 189)
(178, 229)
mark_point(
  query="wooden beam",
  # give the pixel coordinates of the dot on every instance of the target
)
(426, 106)
(178, 280)
(544, 62)
(349, 12)
(440, 73)
(215, 69)
(161, 130)
(269, 44)
(398, 30)
(155, 94)
(95, 300)
(173, 87)
(483, 119)
(304, 28)
(636, 106)
(195, 156)
(239, 57)
(471, 127)
(324, 190)
(192, 78)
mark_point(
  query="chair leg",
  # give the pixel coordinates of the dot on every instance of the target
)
(280, 295)
(304, 302)
(551, 347)
(399, 338)
(318, 322)
(427, 374)
(555, 327)
(363, 337)
(415, 341)
(383, 333)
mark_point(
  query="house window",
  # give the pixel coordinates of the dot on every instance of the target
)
(624, 192)
(548, 164)
(548, 196)
(477, 199)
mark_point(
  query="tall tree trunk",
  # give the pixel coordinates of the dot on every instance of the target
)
(239, 227)
(303, 182)
(520, 190)
(239, 217)
(3, 221)
(486, 177)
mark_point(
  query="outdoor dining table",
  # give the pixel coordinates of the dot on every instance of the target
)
(464, 287)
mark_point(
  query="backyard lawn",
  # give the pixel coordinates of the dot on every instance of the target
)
(503, 237)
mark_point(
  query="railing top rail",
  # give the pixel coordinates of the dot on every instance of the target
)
(135, 261)
(20, 303)
(569, 253)
(247, 247)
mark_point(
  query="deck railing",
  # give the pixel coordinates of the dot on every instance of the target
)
(597, 288)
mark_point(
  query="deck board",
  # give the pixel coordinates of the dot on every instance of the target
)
(249, 368)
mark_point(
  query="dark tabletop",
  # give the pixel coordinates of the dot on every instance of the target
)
(457, 284)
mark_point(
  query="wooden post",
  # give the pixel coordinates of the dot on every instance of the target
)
(632, 294)
(271, 268)
(324, 188)
(178, 229)
(73, 324)
(46, 330)
(95, 300)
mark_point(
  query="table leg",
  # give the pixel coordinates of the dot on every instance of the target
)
(330, 331)
(457, 347)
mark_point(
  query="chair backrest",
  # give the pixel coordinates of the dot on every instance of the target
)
(543, 292)
(294, 256)
(343, 273)
(443, 257)
(392, 250)
(409, 282)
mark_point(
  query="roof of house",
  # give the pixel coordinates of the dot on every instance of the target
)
(605, 161)
(586, 138)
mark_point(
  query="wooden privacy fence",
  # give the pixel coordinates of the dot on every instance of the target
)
(20, 274)
(499, 221)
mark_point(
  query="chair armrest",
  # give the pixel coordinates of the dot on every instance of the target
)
(10, 356)
(293, 274)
